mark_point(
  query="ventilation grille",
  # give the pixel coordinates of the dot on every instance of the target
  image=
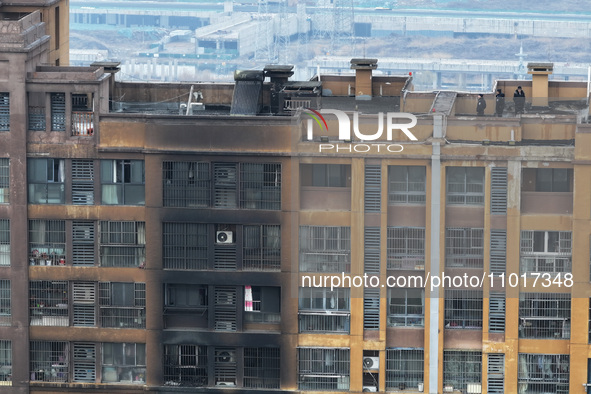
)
(372, 250)
(373, 189)
(498, 191)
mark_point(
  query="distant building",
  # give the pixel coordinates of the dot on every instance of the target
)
(157, 236)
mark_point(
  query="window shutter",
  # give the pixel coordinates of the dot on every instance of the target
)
(373, 188)
(496, 374)
(496, 312)
(498, 191)
(498, 251)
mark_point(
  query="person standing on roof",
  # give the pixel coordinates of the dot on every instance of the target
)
(481, 106)
(500, 103)
(519, 99)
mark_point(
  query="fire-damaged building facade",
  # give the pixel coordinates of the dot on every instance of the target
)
(179, 237)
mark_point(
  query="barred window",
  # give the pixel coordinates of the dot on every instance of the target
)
(465, 185)
(46, 181)
(406, 248)
(5, 362)
(323, 369)
(82, 182)
(122, 244)
(84, 362)
(544, 315)
(461, 368)
(48, 302)
(122, 182)
(406, 307)
(463, 309)
(4, 242)
(47, 242)
(544, 373)
(464, 247)
(185, 365)
(323, 310)
(37, 118)
(406, 185)
(124, 363)
(122, 305)
(260, 186)
(49, 361)
(261, 368)
(404, 368)
(262, 248)
(186, 184)
(546, 251)
(325, 249)
(325, 175)
(5, 303)
(4, 181)
(184, 246)
(4, 111)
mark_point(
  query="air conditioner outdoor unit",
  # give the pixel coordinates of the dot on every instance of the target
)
(231, 384)
(371, 362)
(224, 237)
(370, 389)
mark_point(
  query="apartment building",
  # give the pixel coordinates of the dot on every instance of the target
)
(157, 236)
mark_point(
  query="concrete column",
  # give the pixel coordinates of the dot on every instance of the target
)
(435, 227)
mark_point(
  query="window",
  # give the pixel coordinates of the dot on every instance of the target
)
(48, 302)
(406, 248)
(261, 368)
(547, 180)
(260, 186)
(325, 249)
(83, 243)
(36, 111)
(4, 181)
(463, 309)
(404, 368)
(122, 244)
(49, 361)
(185, 365)
(326, 175)
(496, 311)
(323, 369)
(4, 242)
(461, 368)
(4, 111)
(465, 185)
(186, 184)
(261, 248)
(323, 310)
(184, 246)
(464, 247)
(122, 305)
(262, 304)
(5, 362)
(544, 373)
(406, 307)
(124, 363)
(46, 181)
(406, 184)
(546, 251)
(5, 309)
(225, 183)
(122, 182)
(47, 242)
(189, 296)
(58, 111)
(544, 315)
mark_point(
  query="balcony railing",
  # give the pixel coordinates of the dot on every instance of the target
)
(545, 263)
(82, 123)
(121, 317)
(327, 322)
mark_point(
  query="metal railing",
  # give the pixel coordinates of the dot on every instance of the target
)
(82, 123)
